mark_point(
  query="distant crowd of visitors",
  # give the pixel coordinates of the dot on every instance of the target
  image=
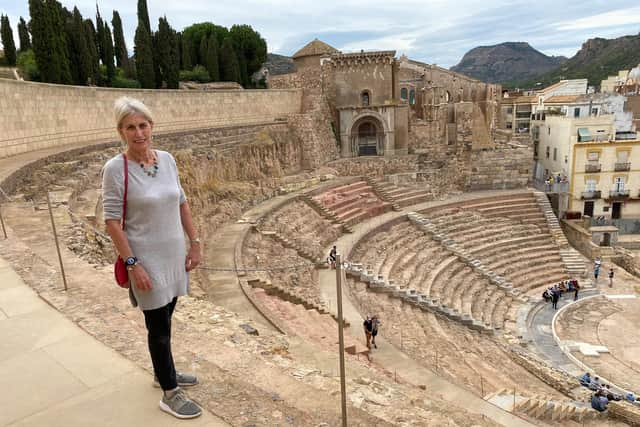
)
(603, 394)
(553, 293)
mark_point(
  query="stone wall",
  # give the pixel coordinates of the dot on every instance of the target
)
(500, 168)
(627, 260)
(375, 166)
(36, 115)
(579, 238)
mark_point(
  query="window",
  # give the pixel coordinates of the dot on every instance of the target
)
(549, 129)
(618, 184)
(510, 110)
(623, 156)
(594, 111)
(509, 125)
(555, 154)
(412, 97)
(593, 156)
(576, 112)
(403, 93)
(548, 151)
(590, 185)
(365, 98)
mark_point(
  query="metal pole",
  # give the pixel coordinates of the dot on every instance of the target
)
(482, 386)
(343, 386)
(514, 400)
(4, 231)
(55, 237)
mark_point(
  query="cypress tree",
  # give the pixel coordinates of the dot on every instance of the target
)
(108, 53)
(186, 60)
(212, 58)
(229, 62)
(119, 45)
(202, 52)
(100, 36)
(143, 16)
(79, 55)
(92, 52)
(49, 41)
(144, 58)
(7, 41)
(167, 54)
(178, 39)
(23, 34)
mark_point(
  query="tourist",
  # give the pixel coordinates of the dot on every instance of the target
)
(585, 380)
(606, 390)
(547, 294)
(555, 297)
(368, 329)
(595, 384)
(630, 397)
(596, 268)
(332, 257)
(375, 324)
(576, 289)
(558, 179)
(611, 277)
(152, 242)
(599, 402)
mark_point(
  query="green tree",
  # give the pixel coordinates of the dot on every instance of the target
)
(49, 41)
(144, 58)
(143, 16)
(186, 63)
(92, 52)
(194, 35)
(23, 35)
(168, 60)
(108, 53)
(79, 56)
(212, 58)
(119, 45)
(26, 63)
(202, 52)
(229, 66)
(251, 49)
(6, 33)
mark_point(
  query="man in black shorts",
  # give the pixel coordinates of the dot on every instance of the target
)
(368, 329)
(332, 257)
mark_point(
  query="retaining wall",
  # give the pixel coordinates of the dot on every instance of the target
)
(35, 116)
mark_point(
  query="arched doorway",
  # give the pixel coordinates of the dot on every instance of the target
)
(367, 138)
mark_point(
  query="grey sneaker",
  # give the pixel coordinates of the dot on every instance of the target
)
(184, 380)
(179, 405)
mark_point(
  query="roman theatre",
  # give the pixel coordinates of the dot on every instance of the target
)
(398, 163)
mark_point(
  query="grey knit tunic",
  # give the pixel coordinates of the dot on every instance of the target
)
(153, 224)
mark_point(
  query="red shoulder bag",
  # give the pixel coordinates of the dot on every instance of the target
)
(120, 268)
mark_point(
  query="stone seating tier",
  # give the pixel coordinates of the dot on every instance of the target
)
(401, 196)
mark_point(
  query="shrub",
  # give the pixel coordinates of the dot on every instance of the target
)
(198, 74)
(26, 63)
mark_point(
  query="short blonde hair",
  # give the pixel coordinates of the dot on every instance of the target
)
(126, 106)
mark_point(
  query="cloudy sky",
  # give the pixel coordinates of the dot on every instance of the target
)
(432, 31)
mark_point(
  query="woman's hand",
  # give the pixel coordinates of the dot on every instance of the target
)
(193, 257)
(140, 278)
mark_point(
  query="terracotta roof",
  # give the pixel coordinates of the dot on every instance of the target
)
(563, 99)
(521, 100)
(314, 48)
(553, 86)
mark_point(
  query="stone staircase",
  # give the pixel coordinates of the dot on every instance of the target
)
(324, 212)
(542, 408)
(302, 251)
(382, 193)
(572, 259)
(287, 295)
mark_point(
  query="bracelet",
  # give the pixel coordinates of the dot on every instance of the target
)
(196, 240)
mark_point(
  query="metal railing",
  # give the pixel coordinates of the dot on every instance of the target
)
(591, 194)
(618, 193)
(592, 167)
(622, 166)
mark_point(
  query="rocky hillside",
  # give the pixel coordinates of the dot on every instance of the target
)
(506, 62)
(597, 59)
(278, 64)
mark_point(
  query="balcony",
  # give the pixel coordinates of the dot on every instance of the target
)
(592, 167)
(624, 166)
(618, 194)
(586, 195)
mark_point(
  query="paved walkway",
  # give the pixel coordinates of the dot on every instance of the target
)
(389, 356)
(53, 373)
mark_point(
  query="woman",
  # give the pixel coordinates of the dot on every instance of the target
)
(152, 243)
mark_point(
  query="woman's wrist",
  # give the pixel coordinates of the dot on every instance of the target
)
(195, 241)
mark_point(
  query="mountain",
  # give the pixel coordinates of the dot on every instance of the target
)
(278, 64)
(596, 60)
(506, 62)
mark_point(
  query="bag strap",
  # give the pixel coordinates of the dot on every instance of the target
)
(126, 187)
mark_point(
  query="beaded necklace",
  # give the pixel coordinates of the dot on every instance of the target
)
(152, 170)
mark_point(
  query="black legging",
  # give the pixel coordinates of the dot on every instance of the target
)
(158, 323)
